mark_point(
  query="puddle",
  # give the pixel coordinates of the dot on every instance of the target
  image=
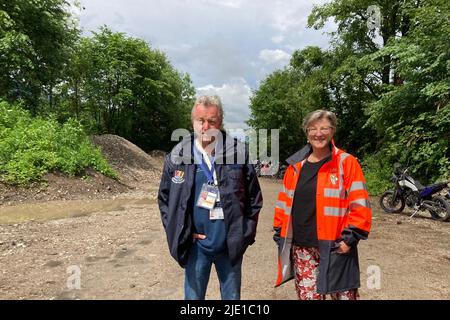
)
(53, 264)
(64, 209)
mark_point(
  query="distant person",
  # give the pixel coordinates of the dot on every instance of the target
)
(209, 203)
(321, 214)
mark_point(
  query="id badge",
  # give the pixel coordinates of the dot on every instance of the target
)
(217, 212)
(208, 196)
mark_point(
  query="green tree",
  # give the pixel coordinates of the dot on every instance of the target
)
(35, 42)
(389, 86)
(315, 79)
(413, 119)
(286, 96)
(120, 85)
(353, 32)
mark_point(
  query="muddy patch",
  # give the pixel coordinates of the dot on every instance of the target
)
(52, 210)
(53, 263)
(95, 258)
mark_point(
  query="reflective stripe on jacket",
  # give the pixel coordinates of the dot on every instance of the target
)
(342, 212)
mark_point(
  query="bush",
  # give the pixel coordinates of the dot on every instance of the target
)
(31, 147)
(378, 173)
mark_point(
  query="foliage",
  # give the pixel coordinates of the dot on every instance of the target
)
(378, 173)
(389, 87)
(110, 82)
(36, 38)
(315, 79)
(119, 85)
(31, 147)
(107, 83)
(413, 119)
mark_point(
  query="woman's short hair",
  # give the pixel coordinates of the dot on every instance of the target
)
(209, 101)
(317, 115)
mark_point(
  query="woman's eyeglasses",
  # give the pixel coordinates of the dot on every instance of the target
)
(323, 130)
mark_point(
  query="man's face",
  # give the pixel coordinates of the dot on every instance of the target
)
(206, 118)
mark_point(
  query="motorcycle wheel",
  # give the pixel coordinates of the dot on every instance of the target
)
(442, 209)
(388, 204)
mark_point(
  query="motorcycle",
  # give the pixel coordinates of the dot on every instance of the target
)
(435, 198)
(264, 169)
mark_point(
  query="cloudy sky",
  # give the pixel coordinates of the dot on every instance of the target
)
(226, 46)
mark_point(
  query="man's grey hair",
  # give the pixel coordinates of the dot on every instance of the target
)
(317, 115)
(209, 101)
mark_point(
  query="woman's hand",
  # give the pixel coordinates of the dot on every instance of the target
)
(343, 248)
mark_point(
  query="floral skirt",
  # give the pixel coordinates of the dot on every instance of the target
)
(306, 267)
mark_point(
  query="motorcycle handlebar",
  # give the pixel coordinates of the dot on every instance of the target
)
(399, 171)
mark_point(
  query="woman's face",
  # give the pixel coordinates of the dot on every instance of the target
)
(320, 133)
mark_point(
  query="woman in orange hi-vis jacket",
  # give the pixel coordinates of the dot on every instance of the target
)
(321, 214)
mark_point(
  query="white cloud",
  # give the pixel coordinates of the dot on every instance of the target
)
(224, 45)
(287, 15)
(226, 3)
(274, 56)
(286, 21)
(235, 96)
(277, 39)
(292, 15)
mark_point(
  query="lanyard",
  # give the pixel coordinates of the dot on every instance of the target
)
(209, 172)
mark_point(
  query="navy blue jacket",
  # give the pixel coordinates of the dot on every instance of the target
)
(240, 196)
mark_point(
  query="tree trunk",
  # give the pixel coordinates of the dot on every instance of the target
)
(50, 97)
(77, 100)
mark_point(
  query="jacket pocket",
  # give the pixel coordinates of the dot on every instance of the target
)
(343, 271)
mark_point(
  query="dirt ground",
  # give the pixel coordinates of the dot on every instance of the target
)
(92, 237)
(117, 250)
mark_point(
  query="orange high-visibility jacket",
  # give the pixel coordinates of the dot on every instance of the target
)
(343, 214)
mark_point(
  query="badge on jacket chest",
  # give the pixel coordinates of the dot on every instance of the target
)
(178, 176)
(333, 179)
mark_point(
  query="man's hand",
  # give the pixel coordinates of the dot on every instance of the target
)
(344, 248)
(198, 236)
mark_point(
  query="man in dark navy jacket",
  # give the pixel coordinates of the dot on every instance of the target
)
(209, 198)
